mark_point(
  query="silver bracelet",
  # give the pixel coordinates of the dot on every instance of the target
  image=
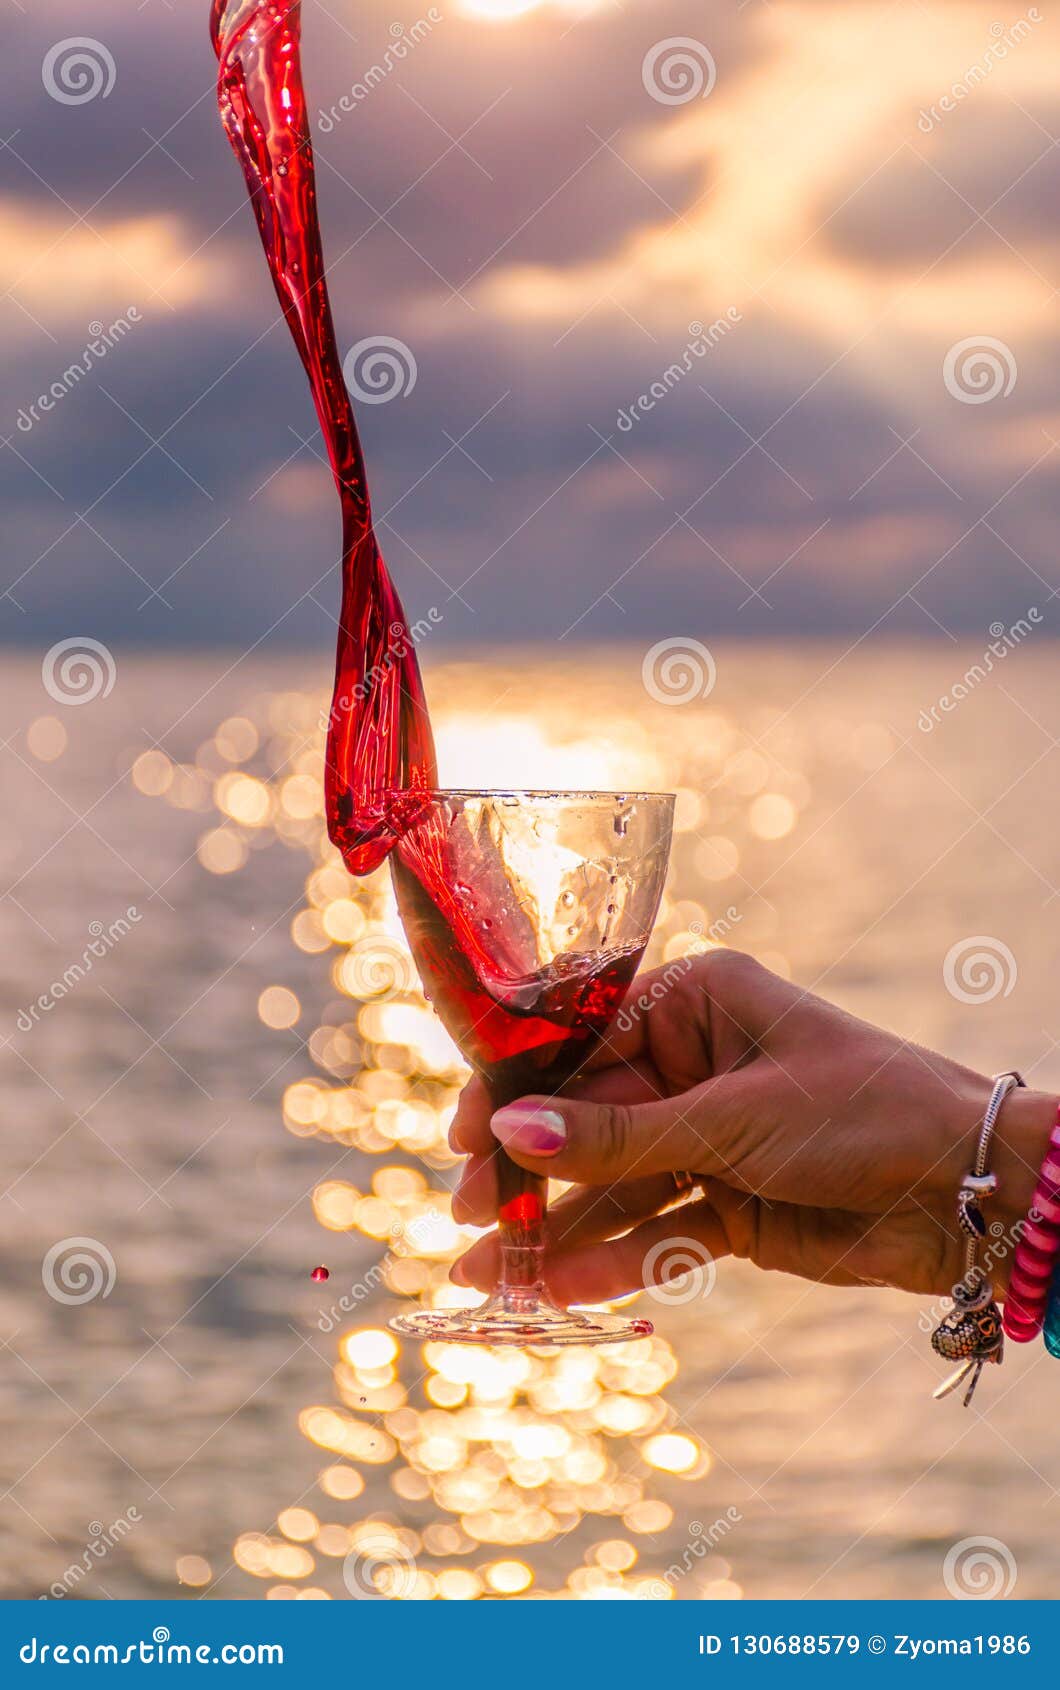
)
(970, 1334)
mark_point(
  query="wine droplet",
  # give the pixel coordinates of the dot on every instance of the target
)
(320, 1273)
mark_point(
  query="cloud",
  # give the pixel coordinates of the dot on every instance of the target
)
(818, 199)
(69, 272)
(513, 204)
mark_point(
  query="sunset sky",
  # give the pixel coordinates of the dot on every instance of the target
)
(547, 225)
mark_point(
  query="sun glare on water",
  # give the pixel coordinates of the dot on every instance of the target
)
(453, 1473)
(500, 10)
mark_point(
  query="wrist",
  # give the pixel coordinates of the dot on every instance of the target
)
(1020, 1141)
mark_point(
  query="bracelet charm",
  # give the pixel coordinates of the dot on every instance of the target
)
(971, 1334)
(969, 1213)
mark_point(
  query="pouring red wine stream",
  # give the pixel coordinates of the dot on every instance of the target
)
(380, 763)
(379, 733)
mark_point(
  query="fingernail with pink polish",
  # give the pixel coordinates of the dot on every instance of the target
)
(532, 1131)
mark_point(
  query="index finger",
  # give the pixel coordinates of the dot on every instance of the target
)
(616, 1082)
(624, 1043)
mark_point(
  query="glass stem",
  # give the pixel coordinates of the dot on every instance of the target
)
(521, 1220)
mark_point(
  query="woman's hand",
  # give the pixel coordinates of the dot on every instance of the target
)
(823, 1146)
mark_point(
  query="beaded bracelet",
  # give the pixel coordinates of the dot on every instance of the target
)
(1037, 1253)
(1051, 1329)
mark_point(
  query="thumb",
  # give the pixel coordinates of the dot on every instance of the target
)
(594, 1143)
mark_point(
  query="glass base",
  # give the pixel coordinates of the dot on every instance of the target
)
(519, 1317)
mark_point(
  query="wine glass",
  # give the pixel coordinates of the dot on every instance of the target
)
(527, 914)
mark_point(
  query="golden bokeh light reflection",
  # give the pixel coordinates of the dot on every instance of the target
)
(497, 10)
(501, 1474)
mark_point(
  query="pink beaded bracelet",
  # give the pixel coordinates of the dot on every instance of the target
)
(1037, 1252)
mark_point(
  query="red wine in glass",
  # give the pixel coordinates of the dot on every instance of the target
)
(527, 914)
